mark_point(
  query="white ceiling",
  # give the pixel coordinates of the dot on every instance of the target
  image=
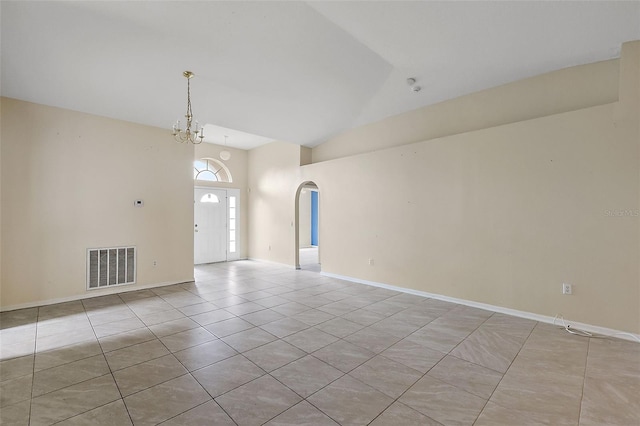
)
(300, 72)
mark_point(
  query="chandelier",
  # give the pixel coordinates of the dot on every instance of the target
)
(195, 135)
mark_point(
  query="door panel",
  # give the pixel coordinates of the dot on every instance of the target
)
(210, 225)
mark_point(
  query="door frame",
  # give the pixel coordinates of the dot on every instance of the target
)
(297, 221)
(234, 192)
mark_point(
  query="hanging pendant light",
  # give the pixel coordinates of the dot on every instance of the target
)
(195, 135)
(225, 155)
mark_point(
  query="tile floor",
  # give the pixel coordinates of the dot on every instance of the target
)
(251, 343)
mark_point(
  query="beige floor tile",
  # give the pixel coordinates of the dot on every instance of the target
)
(340, 327)
(99, 302)
(350, 402)
(160, 317)
(228, 327)
(210, 317)
(244, 308)
(490, 349)
(55, 378)
(302, 414)
(68, 338)
(442, 402)
(399, 414)
(122, 340)
(418, 316)
(284, 327)
(611, 402)
(321, 328)
(338, 308)
(258, 401)
(475, 379)
(496, 415)
(112, 414)
(274, 355)
(60, 310)
(16, 350)
(227, 375)
(15, 390)
(147, 374)
(372, 339)
(311, 339)
(117, 327)
(149, 305)
(248, 339)
(526, 391)
(262, 317)
(18, 318)
(291, 308)
(442, 338)
(172, 327)
(130, 296)
(186, 339)
(313, 317)
(208, 353)
(613, 357)
(387, 376)
(413, 355)
(135, 354)
(66, 355)
(165, 400)
(385, 308)
(271, 301)
(198, 308)
(73, 400)
(395, 327)
(58, 326)
(343, 355)
(307, 375)
(16, 367)
(208, 413)
(363, 317)
(104, 316)
(16, 414)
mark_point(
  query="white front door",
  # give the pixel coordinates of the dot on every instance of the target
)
(210, 225)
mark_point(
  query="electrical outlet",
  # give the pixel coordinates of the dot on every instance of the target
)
(566, 289)
(155, 263)
(370, 262)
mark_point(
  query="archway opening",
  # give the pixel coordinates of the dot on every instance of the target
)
(307, 235)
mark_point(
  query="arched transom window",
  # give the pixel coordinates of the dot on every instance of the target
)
(212, 170)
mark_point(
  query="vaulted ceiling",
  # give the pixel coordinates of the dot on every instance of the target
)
(300, 72)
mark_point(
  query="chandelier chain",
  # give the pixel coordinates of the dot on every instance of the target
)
(195, 136)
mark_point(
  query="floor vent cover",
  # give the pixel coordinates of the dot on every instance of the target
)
(110, 266)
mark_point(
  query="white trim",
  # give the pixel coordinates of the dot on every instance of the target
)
(94, 293)
(508, 311)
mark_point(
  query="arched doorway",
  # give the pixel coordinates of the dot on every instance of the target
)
(307, 229)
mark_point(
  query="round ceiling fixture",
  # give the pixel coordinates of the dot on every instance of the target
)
(225, 155)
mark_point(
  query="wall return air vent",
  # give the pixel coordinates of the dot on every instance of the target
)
(111, 266)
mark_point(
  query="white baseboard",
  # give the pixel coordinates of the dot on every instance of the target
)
(89, 295)
(514, 312)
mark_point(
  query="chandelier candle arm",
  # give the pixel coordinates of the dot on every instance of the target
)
(195, 136)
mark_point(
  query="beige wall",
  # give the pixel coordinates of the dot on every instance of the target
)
(238, 166)
(502, 215)
(273, 181)
(69, 181)
(552, 93)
